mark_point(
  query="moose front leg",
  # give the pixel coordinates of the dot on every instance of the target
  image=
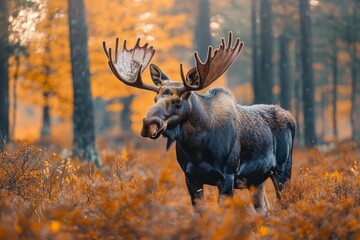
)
(195, 189)
(226, 187)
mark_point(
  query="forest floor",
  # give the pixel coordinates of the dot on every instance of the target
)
(141, 193)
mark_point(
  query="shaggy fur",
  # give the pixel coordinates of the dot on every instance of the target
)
(221, 143)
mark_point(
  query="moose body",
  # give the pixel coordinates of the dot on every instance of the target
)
(223, 144)
(218, 142)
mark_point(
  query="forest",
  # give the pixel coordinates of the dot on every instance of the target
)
(74, 166)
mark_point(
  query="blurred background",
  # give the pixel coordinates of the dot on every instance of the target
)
(303, 55)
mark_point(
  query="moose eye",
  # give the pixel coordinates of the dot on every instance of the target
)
(178, 103)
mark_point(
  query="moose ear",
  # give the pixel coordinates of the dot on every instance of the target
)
(158, 76)
(192, 77)
(186, 95)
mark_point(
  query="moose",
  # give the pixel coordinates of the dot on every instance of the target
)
(218, 142)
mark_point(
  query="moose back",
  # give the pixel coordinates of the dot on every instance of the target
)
(218, 142)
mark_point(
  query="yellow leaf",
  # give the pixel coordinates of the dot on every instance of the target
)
(263, 231)
(54, 226)
(124, 155)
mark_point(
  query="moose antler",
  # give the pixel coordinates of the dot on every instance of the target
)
(130, 64)
(216, 64)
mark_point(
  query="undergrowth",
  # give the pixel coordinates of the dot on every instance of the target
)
(141, 194)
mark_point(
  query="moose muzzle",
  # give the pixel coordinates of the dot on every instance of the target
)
(153, 127)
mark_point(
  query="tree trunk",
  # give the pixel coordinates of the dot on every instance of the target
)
(255, 67)
(4, 74)
(14, 92)
(266, 71)
(307, 74)
(46, 120)
(354, 74)
(46, 127)
(334, 90)
(126, 114)
(202, 36)
(353, 112)
(284, 71)
(298, 87)
(323, 119)
(83, 116)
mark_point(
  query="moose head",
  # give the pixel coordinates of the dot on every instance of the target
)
(172, 103)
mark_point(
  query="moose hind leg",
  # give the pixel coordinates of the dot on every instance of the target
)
(258, 197)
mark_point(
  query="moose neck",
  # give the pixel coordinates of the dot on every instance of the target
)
(201, 114)
(208, 111)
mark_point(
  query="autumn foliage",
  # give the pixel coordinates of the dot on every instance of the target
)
(141, 194)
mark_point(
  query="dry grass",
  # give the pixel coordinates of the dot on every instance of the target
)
(142, 194)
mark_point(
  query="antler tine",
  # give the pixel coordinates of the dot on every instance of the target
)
(137, 43)
(116, 49)
(182, 72)
(230, 40)
(216, 63)
(124, 45)
(105, 49)
(130, 64)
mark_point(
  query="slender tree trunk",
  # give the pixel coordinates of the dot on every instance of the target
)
(14, 92)
(354, 74)
(83, 116)
(334, 90)
(46, 127)
(307, 74)
(353, 112)
(202, 36)
(284, 71)
(126, 114)
(266, 42)
(255, 67)
(46, 120)
(298, 87)
(323, 115)
(4, 74)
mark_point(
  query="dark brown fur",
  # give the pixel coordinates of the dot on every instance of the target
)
(221, 143)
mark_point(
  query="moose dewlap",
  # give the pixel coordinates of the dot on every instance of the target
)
(218, 142)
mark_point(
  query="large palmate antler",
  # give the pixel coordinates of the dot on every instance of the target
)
(130, 64)
(216, 64)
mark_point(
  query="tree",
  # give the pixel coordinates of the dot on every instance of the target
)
(334, 60)
(4, 74)
(265, 94)
(47, 63)
(83, 119)
(297, 92)
(125, 115)
(255, 73)
(285, 14)
(307, 74)
(352, 38)
(46, 126)
(202, 36)
(284, 66)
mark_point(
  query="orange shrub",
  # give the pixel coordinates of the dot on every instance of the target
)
(142, 194)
